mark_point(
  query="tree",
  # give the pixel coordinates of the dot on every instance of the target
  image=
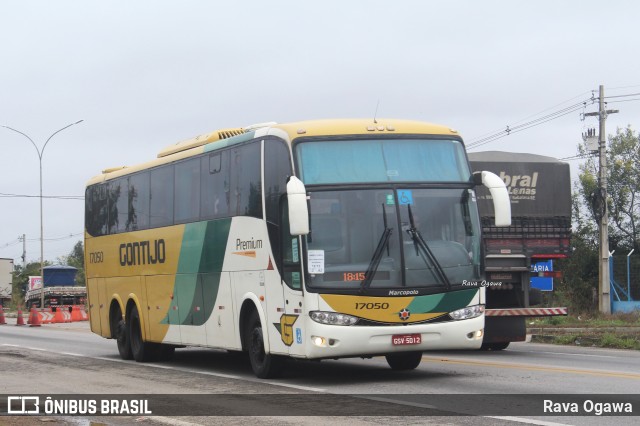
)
(579, 284)
(20, 280)
(623, 183)
(76, 259)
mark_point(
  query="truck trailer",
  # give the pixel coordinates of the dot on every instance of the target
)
(540, 232)
(6, 269)
(59, 289)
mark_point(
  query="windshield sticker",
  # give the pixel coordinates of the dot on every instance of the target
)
(405, 197)
(294, 250)
(315, 259)
(295, 280)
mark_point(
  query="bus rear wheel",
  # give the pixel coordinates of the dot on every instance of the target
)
(120, 332)
(404, 361)
(264, 365)
(142, 351)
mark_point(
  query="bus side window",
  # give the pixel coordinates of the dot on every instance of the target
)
(118, 190)
(214, 186)
(161, 204)
(277, 168)
(138, 202)
(97, 211)
(290, 250)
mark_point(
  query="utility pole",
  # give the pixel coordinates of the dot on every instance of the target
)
(24, 250)
(604, 283)
(40, 152)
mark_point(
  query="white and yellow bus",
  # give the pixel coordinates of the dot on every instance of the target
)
(310, 240)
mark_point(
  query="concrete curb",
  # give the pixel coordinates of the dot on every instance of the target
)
(581, 330)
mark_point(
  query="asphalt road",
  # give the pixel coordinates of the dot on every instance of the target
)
(69, 359)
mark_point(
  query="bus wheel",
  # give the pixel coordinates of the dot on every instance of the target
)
(404, 361)
(264, 365)
(165, 352)
(142, 351)
(494, 346)
(120, 331)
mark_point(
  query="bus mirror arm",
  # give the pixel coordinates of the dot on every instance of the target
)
(298, 208)
(499, 195)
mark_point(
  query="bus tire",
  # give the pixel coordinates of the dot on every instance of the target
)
(404, 360)
(265, 366)
(165, 352)
(120, 332)
(494, 346)
(142, 351)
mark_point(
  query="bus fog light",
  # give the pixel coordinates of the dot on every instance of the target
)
(319, 341)
(475, 335)
(467, 313)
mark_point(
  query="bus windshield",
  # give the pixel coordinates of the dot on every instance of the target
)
(393, 238)
(382, 160)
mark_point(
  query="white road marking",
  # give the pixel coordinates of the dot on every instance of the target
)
(564, 353)
(528, 421)
(173, 421)
(168, 367)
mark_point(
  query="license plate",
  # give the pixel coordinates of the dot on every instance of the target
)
(406, 339)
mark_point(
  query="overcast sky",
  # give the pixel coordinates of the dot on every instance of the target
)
(146, 74)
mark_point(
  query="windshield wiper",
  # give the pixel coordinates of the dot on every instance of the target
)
(377, 254)
(422, 244)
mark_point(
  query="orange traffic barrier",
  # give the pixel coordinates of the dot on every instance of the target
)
(34, 318)
(47, 317)
(58, 317)
(3, 321)
(20, 320)
(75, 313)
(84, 315)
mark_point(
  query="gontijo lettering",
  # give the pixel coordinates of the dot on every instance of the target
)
(142, 253)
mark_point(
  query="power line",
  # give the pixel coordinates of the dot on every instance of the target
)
(622, 96)
(577, 157)
(623, 100)
(533, 123)
(57, 197)
(11, 243)
(544, 110)
(65, 237)
(518, 127)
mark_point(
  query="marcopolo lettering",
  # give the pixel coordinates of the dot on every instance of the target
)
(142, 253)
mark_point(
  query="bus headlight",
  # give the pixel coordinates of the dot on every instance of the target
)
(467, 313)
(332, 318)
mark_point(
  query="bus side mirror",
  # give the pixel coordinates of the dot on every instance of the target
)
(298, 210)
(499, 194)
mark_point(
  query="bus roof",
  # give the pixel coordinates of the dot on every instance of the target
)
(311, 128)
(361, 127)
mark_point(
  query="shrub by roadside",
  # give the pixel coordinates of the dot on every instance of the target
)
(619, 331)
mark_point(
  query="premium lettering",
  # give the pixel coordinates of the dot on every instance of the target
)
(142, 253)
(248, 244)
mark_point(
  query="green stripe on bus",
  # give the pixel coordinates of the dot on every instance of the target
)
(444, 302)
(199, 270)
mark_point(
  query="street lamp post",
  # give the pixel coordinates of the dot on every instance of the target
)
(40, 154)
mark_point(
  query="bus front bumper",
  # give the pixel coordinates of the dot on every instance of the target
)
(331, 341)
